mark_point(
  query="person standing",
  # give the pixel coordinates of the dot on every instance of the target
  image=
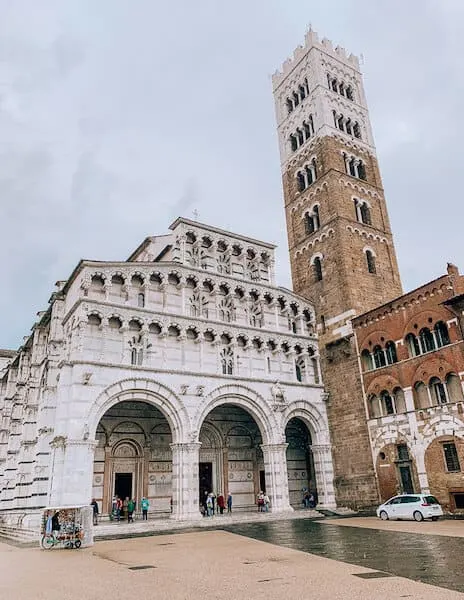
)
(94, 505)
(266, 503)
(144, 505)
(210, 505)
(229, 502)
(221, 503)
(130, 511)
(260, 501)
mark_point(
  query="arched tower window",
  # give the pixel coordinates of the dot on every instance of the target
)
(312, 220)
(317, 268)
(370, 259)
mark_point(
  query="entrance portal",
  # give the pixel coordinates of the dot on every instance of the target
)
(133, 457)
(300, 464)
(123, 485)
(231, 449)
(206, 479)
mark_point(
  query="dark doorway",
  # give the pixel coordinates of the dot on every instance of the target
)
(406, 480)
(123, 485)
(206, 479)
(262, 481)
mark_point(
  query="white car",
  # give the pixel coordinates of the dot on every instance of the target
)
(411, 506)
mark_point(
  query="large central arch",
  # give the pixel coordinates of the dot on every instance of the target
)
(245, 398)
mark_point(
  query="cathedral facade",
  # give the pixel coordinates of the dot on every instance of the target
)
(179, 371)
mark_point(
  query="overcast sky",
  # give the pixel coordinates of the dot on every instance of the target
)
(116, 116)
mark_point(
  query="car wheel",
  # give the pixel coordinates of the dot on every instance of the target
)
(384, 515)
(418, 516)
(434, 518)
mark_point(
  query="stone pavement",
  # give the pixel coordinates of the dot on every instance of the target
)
(450, 527)
(113, 529)
(206, 565)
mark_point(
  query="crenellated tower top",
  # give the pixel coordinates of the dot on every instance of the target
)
(312, 41)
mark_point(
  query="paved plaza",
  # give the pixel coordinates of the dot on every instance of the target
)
(216, 564)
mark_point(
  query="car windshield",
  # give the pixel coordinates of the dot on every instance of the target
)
(431, 500)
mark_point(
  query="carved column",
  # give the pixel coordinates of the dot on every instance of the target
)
(185, 491)
(324, 475)
(275, 465)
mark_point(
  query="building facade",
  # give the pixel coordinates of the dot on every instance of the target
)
(341, 248)
(411, 352)
(179, 371)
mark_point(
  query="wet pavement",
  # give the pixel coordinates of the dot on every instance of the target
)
(432, 559)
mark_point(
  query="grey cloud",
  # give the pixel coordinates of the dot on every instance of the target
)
(116, 116)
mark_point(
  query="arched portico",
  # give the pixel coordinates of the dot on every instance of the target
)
(73, 458)
(309, 450)
(269, 448)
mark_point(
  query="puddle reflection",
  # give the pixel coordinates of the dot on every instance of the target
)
(432, 559)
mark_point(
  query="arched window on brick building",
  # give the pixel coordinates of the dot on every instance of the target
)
(390, 353)
(438, 391)
(441, 334)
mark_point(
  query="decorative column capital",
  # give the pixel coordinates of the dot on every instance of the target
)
(282, 447)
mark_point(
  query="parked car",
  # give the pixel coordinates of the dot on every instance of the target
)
(411, 506)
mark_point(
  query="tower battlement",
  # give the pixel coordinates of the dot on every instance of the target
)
(312, 41)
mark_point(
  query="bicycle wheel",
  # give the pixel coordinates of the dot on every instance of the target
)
(47, 542)
(77, 544)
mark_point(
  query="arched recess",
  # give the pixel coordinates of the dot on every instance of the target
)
(396, 469)
(133, 457)
(142, 390)
(315, 454)
(302, 485)
(245, 398)
(231, 458)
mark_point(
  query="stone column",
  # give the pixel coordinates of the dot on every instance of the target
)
(73, 472)
(324, 475)
(185, 491)
(275, 465)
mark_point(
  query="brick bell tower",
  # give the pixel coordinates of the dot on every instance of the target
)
(341, 248)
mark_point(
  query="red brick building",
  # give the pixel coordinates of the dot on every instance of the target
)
(411, 355)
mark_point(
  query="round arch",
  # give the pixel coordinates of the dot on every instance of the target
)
(311, 418)
(143, 390)
(243, 397)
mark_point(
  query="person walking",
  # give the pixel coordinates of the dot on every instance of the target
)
(221, 503)
(229, 502)
(94, 505)
(118, 509)
(144, 505)
(130, 511)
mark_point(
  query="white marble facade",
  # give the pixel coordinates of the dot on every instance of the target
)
(181, 367)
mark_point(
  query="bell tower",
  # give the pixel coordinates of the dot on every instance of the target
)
(342, 254)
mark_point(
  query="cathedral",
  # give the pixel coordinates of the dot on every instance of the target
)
(177, 372)
(185, 369)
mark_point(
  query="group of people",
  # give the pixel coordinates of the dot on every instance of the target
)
(122, 508)
(309, 499)
(212, 505)
(263, 502)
